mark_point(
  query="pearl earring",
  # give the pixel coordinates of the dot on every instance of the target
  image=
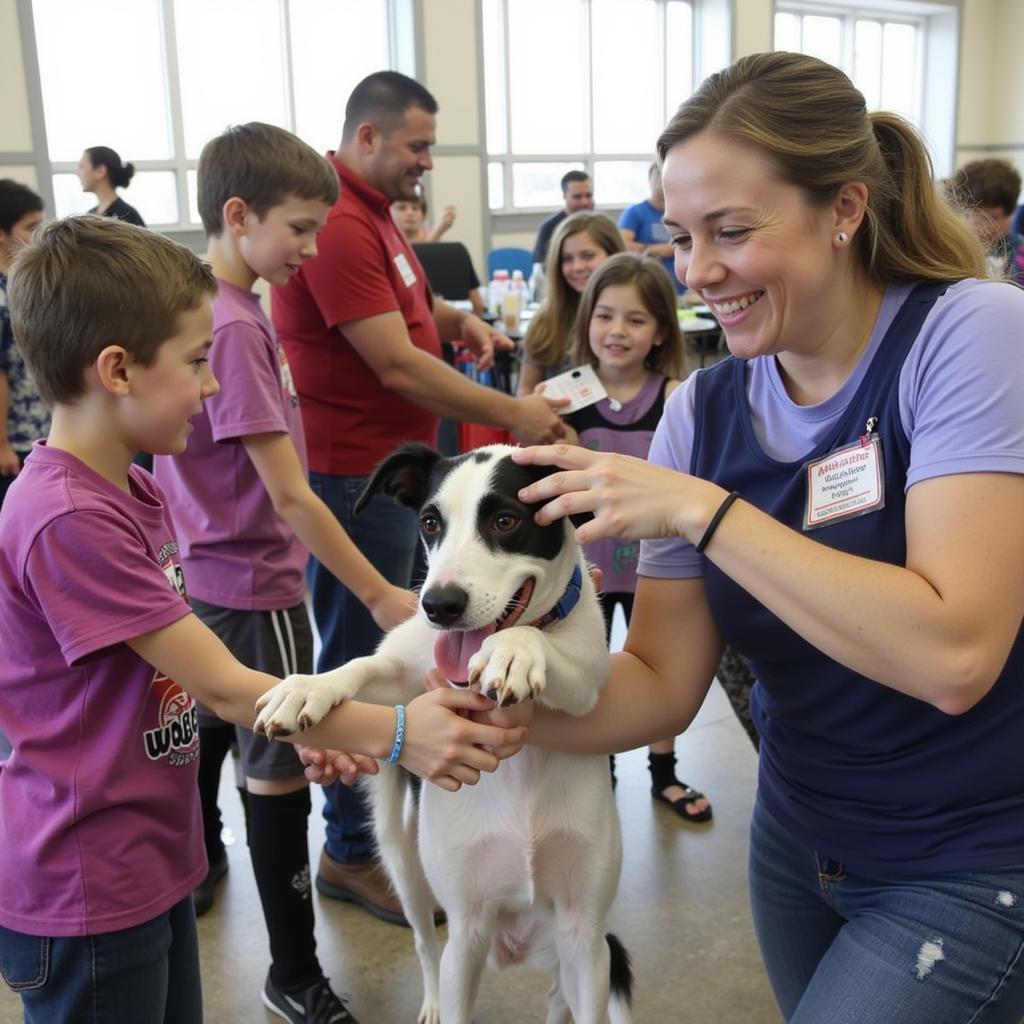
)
(842, 238)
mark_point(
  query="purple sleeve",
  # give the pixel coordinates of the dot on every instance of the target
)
(95, 583)
(673, 557)
(244, 359)
(962, 386)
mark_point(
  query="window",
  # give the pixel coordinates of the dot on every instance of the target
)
(586, 84)
(161, 81)
(882, 53)
(902, 54)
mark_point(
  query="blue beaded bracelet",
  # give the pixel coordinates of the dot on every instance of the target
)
(396, 747)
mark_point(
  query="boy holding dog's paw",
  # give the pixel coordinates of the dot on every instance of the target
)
(101, 656)
(247, 519)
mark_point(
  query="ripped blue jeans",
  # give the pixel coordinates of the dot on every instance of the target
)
(847, 948)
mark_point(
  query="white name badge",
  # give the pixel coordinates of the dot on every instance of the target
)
(845, 483)
(408, 274)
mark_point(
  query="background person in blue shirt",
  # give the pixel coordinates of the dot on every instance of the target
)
(643, 232)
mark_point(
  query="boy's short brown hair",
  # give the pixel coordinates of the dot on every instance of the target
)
(264, 165)
(87, 282)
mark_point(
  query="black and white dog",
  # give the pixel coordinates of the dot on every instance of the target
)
(526, 863)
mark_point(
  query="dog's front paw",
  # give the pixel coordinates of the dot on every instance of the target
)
(510, 666)
(297, 703)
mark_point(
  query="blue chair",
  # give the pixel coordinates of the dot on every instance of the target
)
(510, 258)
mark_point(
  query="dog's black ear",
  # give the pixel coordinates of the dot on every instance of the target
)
(536, 473)
(404, 475)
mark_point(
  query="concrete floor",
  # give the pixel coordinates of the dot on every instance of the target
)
(681, 912)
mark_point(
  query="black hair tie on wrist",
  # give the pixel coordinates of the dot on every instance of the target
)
(715, 520)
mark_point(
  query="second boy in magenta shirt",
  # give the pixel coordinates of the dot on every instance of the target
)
(238, 552)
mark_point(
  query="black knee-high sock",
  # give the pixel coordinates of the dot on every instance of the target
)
(663, 770)
(214, 742)
(279, 848)
(243, 795)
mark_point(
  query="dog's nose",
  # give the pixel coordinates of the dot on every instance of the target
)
(444, 604)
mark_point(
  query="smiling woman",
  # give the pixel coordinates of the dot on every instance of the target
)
(840, 504)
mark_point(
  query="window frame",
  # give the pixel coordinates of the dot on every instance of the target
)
(937, 71)
(848, 17)
(589, 158)
(400, 53)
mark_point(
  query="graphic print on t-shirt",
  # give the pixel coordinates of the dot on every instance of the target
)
(175, 733)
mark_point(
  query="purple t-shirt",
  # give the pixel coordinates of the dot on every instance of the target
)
(238, 552)
(101, 825)
(961, 394)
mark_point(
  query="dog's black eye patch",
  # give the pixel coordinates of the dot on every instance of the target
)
(506, 524)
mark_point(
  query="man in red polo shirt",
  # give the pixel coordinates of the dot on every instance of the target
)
(363, 334)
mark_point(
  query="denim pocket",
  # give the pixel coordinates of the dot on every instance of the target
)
(24, 960)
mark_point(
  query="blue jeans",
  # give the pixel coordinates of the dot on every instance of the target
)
(386, 534)
(847, 947)
(148, 974)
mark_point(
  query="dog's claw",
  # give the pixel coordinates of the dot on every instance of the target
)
(509, 668)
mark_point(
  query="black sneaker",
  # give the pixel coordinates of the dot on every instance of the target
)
(314, 1005)
(202, 894)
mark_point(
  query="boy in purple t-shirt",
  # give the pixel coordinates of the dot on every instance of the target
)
(247, 520)
(100, 655)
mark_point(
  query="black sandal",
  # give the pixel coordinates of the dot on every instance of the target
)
(681, 804)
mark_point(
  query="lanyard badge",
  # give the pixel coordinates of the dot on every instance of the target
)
(847, 482)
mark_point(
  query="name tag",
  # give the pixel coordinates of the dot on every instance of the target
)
(845, 483)
(408, 274)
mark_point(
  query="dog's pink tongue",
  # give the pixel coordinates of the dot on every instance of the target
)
(452, 651)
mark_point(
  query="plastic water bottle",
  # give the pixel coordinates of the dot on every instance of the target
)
(511, 308)
(515, 302)
(496, 292)
(535, 288)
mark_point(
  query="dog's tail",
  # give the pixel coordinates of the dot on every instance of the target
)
(621, 1001)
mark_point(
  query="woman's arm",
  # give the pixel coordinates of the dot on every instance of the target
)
(938, 629)
(658, 682)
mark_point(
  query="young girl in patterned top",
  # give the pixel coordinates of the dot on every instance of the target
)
(627, 329)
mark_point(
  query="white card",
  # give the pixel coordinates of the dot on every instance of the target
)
(581, 386)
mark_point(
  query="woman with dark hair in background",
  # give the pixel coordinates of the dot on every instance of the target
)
(101, 172)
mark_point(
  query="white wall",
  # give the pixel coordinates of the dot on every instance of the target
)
(15, 127)
(450, 73)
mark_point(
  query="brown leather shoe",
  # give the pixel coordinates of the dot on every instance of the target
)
(366, 884)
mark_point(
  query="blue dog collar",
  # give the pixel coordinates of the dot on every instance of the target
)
(566, 602)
